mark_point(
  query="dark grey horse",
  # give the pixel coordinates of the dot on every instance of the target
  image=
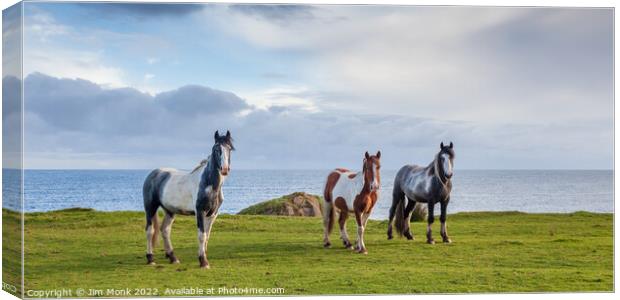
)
(430, 184)
(198, 193)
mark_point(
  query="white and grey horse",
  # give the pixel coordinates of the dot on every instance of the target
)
(198, 193)
(430, 184)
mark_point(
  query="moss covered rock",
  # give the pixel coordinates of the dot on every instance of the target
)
(295, 204)
(419, 213)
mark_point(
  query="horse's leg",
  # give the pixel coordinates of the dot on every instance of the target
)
(410, 206)
(431, 219)
(359, 218)
(166, 227)
(442, 218)
(365, 218)
(342, 222)
(203, 239)
(397, 196)
(210, 221)
(151, 234)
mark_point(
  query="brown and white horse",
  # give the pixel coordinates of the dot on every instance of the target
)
(349, 192)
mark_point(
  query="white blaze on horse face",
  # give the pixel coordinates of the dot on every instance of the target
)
(374, 185)
(447, 165)
(225, 159)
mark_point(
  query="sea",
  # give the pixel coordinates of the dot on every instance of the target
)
(534, 191)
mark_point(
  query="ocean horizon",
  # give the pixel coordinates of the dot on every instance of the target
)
(533, 191)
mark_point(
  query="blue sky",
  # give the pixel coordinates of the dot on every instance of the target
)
(316, 86)
(171, 48)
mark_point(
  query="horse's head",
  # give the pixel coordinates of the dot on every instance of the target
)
(371, 168)
(446, 159)
(220, 154)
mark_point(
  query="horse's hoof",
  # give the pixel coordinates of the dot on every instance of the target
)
(447, 241)
(151, 263)
(409, 237)
(173, 259)
(430, 242)
(327, 245)
(363, 251)
(347, 245)
(204, 263)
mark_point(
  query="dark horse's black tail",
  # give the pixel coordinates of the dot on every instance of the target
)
(151, 191)
(401, 221)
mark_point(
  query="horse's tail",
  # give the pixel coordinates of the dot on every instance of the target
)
(329, 213)
(151, 193)
(328, 217)
(400, 220)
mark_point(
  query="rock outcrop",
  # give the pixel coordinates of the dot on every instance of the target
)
(295, 204)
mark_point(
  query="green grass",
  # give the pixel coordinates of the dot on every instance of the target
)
(491, 252)
(11, 252)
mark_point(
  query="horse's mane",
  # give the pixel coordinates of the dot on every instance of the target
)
(436, 169)
(200, 165)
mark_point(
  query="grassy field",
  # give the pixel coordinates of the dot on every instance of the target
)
(11, 252)
(491, 252)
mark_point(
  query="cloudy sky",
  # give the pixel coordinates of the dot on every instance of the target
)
(143, 86)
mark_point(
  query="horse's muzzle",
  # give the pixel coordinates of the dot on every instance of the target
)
(225, 171)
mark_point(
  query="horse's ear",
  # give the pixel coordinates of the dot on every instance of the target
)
(379, 154)
(217, 135)
(367, 155)
(441, 145)
(228, 134)
(451, 145)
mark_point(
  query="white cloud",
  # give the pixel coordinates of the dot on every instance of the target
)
(72, 64)
(152, 60)
(80, 52)
(79, 119)
(455, 63)
(296, 96)
(11, 41)
(43, 54)
(43, 26)
(512, 87)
